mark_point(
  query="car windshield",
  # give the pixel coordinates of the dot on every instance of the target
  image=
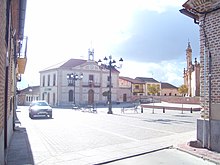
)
(39, 104)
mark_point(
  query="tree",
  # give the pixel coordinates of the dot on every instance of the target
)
(153, 90)
(183, 89)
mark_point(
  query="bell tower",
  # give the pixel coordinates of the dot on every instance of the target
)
(189, 56)
(90, 54)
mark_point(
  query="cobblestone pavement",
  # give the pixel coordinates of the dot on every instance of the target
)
(74, 137)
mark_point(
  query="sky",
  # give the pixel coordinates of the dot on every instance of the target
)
(150, 35)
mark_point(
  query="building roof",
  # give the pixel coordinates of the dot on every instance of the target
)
(146, 79)
(73, 63)
(66, 64)
(167, 85)
(134, 81)
(70, 64)
(35, 89)
(192, 4)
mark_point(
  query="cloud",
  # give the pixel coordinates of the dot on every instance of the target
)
(164, 71)
(158, 36)
(148, 32)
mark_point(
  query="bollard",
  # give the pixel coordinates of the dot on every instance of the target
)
(191, 110)
(163, 110)
(142, 109)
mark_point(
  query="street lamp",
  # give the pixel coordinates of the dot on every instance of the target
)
(72, 78)
(31, 91)
(110, 64)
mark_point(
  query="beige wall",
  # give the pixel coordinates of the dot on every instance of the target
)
(168, 91)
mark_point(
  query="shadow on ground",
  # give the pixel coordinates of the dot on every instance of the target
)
(19, 151)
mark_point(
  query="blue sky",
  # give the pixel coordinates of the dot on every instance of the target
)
(150, 35)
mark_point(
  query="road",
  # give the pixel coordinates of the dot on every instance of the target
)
(75, 137)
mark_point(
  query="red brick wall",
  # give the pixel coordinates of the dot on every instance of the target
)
(180, 100)
(2, 60)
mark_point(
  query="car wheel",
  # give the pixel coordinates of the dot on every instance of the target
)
(30, 115)
(50, 116)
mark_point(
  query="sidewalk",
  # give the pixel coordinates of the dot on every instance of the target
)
(200, 152)
(19, 151)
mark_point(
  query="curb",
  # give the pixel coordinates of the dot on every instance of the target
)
(193, 152)
(131, 156)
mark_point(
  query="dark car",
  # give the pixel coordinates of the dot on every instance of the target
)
(40, 108)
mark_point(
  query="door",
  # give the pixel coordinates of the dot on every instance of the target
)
(90, 97)
(124, 97)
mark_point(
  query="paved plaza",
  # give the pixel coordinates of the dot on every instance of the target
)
(76, 137)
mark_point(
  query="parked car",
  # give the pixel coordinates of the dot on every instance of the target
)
(40, 108)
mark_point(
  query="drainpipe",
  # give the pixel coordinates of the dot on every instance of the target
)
(210, 97)
(204, 127)
(15, 83)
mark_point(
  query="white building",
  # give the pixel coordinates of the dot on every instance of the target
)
(54, 85)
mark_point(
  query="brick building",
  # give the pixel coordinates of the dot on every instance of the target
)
(12, 64)
(206, 13)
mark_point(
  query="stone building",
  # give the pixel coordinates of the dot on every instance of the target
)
(169, 89)
(90, 89)
(191, 74)
(132, 89)
(148, 82)
(12, 65)
(129, 88)
(206, 13)
(27, 95)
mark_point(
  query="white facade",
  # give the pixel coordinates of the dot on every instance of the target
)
(54, 85)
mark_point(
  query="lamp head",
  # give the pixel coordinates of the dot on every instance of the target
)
(99, 62)
(120, 62)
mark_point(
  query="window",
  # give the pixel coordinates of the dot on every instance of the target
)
(48, 98)
(43, 81)
(70, 95)
(54, 79)
(54, 98)
(48, 80)
(136, 87)
(91, 78)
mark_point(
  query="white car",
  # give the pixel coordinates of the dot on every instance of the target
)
(40, 108)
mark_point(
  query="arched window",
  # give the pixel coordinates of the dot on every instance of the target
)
(70, 95)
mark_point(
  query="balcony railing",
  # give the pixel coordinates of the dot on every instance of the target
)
(138, 90)
(91, 84)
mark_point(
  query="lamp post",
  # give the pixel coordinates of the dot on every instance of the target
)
(72, 78)
(31, 91)
(110, 64)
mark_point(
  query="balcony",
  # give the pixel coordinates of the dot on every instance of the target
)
(22, 56)
(138, 90)
(91, 84)
(21, 64)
